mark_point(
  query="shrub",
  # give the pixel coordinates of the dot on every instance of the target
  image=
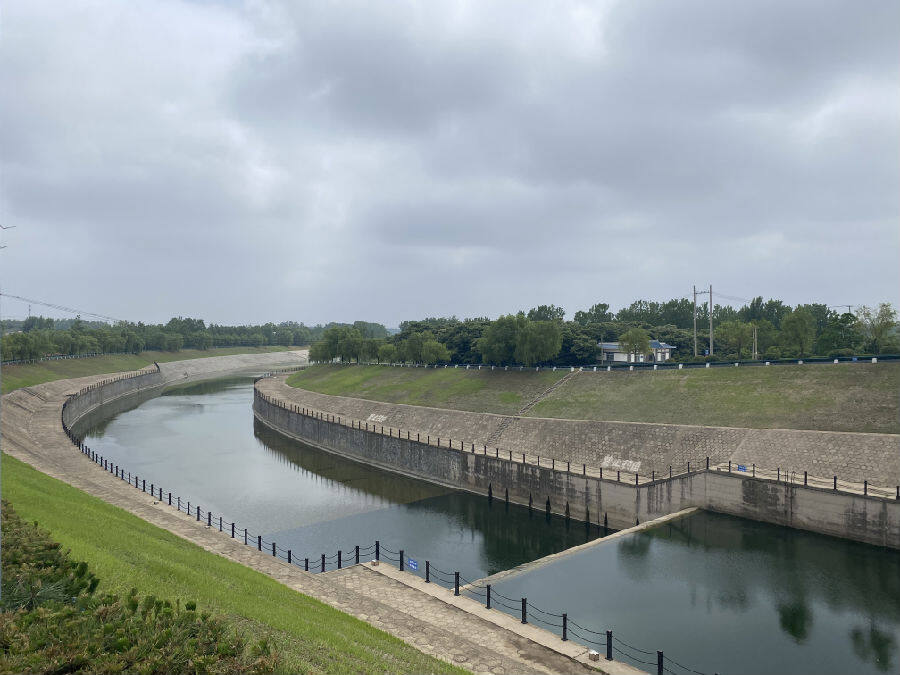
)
(53, 622)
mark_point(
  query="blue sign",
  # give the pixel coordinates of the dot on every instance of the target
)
(742, 467)
(412, 564)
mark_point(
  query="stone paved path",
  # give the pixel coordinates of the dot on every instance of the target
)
(33, 434)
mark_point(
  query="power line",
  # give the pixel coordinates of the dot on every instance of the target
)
(63, 308)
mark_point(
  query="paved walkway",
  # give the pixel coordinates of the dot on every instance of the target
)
(33, 434)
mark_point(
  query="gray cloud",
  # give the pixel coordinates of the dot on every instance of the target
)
(253, 161)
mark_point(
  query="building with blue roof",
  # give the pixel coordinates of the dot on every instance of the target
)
(659, 352)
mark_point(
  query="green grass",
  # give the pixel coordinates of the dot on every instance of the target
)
(125, 551)
(828, 397)
(15, 377)
(502, 392)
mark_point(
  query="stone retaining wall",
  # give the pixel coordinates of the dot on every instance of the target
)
(630, 446)
(617, 504)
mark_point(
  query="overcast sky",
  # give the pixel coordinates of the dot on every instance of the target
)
(256, 161)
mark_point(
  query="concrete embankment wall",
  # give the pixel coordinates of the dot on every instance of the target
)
(148, 380)
(630, 446)
(868, 519)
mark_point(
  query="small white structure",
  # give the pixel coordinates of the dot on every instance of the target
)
(659, 352)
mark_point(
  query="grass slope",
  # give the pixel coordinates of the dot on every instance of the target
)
(828, 397)
(503, 392)
(125, 552)
(15, 377)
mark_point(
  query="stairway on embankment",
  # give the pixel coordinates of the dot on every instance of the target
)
(495, 435)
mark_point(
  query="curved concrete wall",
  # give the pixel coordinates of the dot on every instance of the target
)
(874, 520)
(629, 446)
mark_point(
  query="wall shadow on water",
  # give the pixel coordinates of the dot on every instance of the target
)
(456, 530)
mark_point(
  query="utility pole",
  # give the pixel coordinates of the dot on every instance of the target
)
(755, 351)
(710, 321)
(696, 293)
(695, 320)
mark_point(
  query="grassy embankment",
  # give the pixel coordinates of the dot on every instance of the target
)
(125, 552)
(828, 397)
(15, 377)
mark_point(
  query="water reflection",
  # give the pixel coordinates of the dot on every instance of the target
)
(200, 441)
(733, 595)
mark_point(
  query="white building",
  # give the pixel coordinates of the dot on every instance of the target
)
(659, 352)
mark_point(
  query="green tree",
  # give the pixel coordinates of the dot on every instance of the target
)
(536, 341)
(434, 352)
(596, 314)
(497, 344)
(876, 325)
(546, 313)
(635, 341)
(387, 353)
(798, 330)
(736, 337)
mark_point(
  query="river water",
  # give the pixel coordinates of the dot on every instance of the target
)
(201, 441)
(716, 593)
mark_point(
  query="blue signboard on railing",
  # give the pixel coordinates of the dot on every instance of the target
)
(742, 467)
(412, 564)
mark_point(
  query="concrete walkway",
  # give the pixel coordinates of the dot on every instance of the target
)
(33, 434)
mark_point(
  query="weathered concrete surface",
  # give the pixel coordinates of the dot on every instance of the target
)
(588, 497)
(630, 446)
(32, 433)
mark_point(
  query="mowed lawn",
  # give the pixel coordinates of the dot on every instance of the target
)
(15, 377)
(126, 552)
(828, 397)
(498, 391)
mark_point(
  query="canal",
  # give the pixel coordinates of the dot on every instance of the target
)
(718, 594)
(202, 442)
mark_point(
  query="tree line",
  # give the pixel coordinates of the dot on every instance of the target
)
(39, 336)
(542, 336)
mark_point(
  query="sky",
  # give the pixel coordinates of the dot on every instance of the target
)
(246, 162)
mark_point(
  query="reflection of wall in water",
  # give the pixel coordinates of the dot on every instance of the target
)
(796, 569)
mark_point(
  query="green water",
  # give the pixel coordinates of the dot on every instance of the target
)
(201, 442)
(728, 595)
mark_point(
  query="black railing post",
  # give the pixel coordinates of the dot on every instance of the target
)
(232, 530)
(565, 626)
(144, 485)
(306, 564)
(707, 463)
(323, 562)
(488, 603)
(609, 645)
(209, 518)
(377, 550)
(401, 559)
(865, 487)
(198, 514)
(220, 523)
(259, 542)
(273, 550)
(289, 556)
(729, 466)
(357, 555)
(659, 662)
(835, 482)
(170, 499)
(805, 478)
(340, 561)
(245, 536)
(427, 572)
(524, 610)
(456, 583)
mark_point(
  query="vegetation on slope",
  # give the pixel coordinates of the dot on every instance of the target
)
(52, 621)
(126, 552)
(828, 397)
(27, 375)
(502, 392)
